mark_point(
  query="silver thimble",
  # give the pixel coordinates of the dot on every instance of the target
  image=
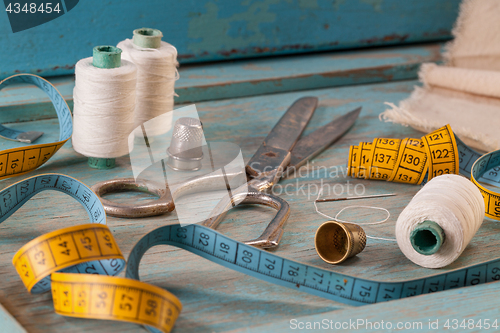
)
(185, 151)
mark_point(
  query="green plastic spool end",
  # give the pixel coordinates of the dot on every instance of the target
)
(101, 163)
(147, 38)
(427, 238)
(105, 56)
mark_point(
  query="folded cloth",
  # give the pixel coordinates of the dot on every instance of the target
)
(465, 91)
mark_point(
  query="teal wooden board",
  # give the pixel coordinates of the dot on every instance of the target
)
(217, 299)
(249, 78)
(428, 313)
(273, 75)
(208, 30)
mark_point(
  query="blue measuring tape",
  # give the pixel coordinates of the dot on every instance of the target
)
(79, 263)
(269, 267)
(17, 161)
(15, 196)
(343, 288)
(235, 255)
(246, 259)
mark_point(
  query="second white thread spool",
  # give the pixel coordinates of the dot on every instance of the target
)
(156, 63)
(440, 221)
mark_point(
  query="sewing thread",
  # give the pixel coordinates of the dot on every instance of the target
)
(336, 218)
(104, 103)
(156, 76)
(455, 205)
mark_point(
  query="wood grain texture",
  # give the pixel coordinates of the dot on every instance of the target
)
(472, 303)
(248, 78)
(217, 299)
(208, 30)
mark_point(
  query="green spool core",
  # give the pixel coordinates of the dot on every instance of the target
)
(101, 163)
(105, 56)
(427, 238)
(147, 38)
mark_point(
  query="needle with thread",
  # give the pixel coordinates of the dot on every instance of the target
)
(358, 197)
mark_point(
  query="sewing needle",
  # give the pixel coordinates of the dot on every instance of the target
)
(358, 197)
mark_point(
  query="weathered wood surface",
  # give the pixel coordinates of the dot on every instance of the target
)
(217, 299)
(273, 75)
(479, 303)
(207, 30)
(248, 78)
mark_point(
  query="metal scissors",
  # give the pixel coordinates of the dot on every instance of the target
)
(280, 154)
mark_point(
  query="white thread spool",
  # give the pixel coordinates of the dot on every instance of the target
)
(156, 63)
(104, 103)
(440, 221)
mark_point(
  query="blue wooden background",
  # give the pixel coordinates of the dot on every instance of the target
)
(207, 30)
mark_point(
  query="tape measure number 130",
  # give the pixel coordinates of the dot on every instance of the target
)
(415, 161)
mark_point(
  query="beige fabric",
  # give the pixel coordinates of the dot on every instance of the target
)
(465, 92)
(477, 36)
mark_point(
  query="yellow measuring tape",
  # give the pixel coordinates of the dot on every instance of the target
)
(63, 248)
(78, 263)
(104, 297)
(414, 161)
(18, 161)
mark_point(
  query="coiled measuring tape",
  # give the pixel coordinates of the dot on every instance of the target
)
(17, 161)
(269, 267)
(104, 297)
(78, 263)
(415, 161)
(107, 297)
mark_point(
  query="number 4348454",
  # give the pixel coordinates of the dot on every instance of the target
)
(471, 324)
(33, 8)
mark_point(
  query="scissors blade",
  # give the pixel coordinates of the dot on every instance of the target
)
(314, 143)
(275, 150)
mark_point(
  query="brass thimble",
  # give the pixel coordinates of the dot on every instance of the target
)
(336, 241)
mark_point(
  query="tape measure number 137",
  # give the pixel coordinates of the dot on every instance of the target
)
(415, 161)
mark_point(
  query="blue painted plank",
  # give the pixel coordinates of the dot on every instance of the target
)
(273, 75)
(249, 78)
(207, 30)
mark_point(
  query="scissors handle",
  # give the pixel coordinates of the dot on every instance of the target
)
(246, 194)
(163, 205)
